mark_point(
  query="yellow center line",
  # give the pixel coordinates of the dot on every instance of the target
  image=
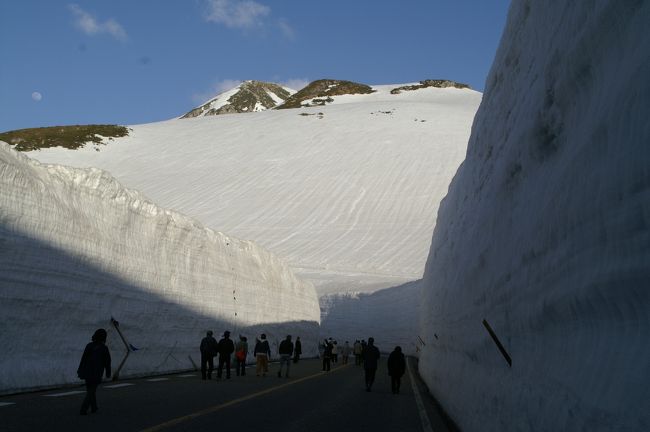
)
(216, 408)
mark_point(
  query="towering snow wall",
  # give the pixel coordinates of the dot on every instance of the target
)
(76, 248)
(545, 231)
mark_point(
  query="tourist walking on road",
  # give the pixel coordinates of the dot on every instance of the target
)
(370, 361)
(345, 352)
(357, 352)
(396, 368)
(327, 355)
(335, 352)
(241, 351)
(297, 350)
(208, 351)
(95, 360)
(226, 348)
(262, 355)
(285, 350)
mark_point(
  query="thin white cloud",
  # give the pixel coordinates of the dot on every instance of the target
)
(219, 86)
(241, 14)
(286, 29)
(89, 24)
(37, 96)
(296, 83)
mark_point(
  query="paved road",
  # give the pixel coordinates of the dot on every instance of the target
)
(308, 401)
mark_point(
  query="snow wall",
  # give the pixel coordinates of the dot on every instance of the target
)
(77, 248)
(389, 315)
(545, 231)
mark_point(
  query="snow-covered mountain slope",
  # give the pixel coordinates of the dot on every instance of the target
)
(77, 248)
(545, 232)
(249, 96)
(345, 192)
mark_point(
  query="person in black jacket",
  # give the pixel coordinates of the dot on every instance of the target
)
(226, 348)
(297, 350)
(95, 360)
(396, 368)
(327, 355)
(370, 360)
(285, 350)
(208, 351)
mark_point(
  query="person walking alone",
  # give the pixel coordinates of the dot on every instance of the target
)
(208, 351)
(285, 350)
(226, 348)
(241, 351)
(262, 353)
(297, 350)
(396, 368)
(95, 360)
(370, 362)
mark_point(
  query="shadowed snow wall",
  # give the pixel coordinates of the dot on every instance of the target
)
(545, 231)
(76, 248)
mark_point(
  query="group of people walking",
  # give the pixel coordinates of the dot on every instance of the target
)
(225, 348)
(96, 360)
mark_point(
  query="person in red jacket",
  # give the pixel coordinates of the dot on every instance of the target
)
(95, 360)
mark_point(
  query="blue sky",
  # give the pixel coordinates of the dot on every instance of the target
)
(138, 61)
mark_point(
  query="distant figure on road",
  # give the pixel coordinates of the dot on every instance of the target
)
(363, 348)
(335, 352)
(357, 352)
(241, 351)
(396, 368)
(327, 355)
(297, 350)
(262, 355)
(95, 360)
(345, 352)
(370, 360)
(208, 351)
(226, 348)
(285, 350)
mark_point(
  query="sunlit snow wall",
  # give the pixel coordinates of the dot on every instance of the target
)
(545, 232)
(76, 248)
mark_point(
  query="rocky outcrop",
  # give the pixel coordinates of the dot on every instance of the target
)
(249, 96)
(430, 83)
(320, 92)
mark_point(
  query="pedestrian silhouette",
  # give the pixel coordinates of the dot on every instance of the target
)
(285, 350)
(262, 353)
(327, 355)
(208, 351)
(297, 350)
(370, 362)
(241, 351)
(95, 360)
(226, 347)
(396, 367)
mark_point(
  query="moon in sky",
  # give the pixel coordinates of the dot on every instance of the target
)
(37, 96)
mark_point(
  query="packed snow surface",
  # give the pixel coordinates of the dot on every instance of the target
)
(545, 232)
(77, 248)
(346, 197)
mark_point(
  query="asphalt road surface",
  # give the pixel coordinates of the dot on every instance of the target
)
(310, 400)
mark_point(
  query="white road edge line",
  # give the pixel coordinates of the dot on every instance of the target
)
(426, 424)
(65, 394)
(158, 379)
(118, 385)
(7, 403)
